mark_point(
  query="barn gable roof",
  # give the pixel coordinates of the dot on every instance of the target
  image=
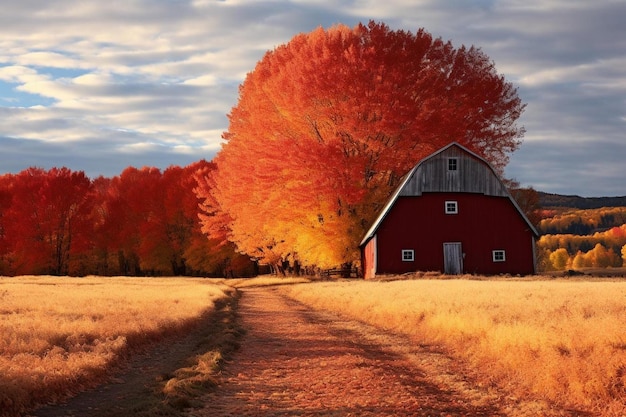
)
(431, 175)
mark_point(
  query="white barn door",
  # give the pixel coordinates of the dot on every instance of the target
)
(452, 258)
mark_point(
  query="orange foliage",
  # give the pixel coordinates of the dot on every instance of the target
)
(582, 221)
(46, 219)
(141, 222)
(328, 123)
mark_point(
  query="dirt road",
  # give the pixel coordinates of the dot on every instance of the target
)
(295, 361)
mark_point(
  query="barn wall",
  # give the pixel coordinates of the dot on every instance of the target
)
(483, 224)
(368, 260)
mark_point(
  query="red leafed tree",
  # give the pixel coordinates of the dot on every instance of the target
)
(170, 236)
(102, 259)
(327, 124)
(134, 200)
(5, 204)
(527, 199)
(146, 222)
(47, 222)
(175, 227)
(141, 222)
(181, 213)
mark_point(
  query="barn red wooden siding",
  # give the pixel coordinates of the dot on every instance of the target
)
(415, 219)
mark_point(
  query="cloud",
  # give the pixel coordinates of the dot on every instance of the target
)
(548, 167)
(102, 85)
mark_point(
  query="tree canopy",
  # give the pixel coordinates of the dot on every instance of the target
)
(142, 222)
(327, 124)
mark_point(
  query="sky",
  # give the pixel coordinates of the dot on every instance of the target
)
(97, 86)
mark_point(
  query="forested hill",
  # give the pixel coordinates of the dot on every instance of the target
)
(575, 201)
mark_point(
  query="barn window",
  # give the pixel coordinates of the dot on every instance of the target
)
(452, 164)
(498, 255)
(452, 207)
(408, 255)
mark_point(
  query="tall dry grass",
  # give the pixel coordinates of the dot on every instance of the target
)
(553, 339)
(61, 335)
(261, 281)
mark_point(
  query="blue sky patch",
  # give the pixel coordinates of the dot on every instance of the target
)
(10, 96)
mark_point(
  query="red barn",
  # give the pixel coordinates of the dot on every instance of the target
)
(453, 214)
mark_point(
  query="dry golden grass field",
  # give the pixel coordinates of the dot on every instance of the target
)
(59, 336)
(563, 340)
(555, 339)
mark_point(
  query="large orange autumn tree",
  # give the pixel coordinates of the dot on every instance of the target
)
(326, 126)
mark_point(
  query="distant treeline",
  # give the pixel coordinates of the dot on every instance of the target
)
(573, 201)
(581, 222)
(142, 222)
